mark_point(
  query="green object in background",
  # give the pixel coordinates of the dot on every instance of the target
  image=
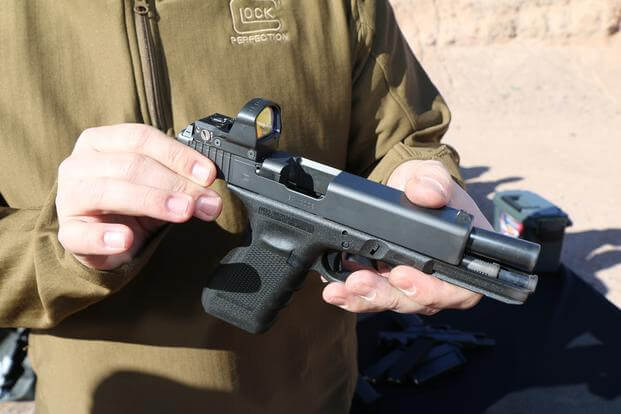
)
(529, 216)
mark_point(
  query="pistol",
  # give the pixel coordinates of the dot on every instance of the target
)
(305, 215)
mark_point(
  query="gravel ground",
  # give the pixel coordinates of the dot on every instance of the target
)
(535, 90)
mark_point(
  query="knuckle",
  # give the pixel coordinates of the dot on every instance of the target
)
(67, 193)
(147, 198)
(78, 237)
(178, 156)
(428, 311)
(96, 195)
(152, 199)
(64, 193)
(426, 301)
(64, 168)
(85, 136)
(86, 139)
(133, 167)
(393, 303)
(139, 137)
(470, 302)
(60, 202)
(180, 186)
(63, 237)
(87, 193)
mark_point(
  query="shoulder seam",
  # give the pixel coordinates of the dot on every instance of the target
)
(392, 93)
(365, 21)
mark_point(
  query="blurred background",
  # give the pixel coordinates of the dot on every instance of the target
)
(535, 91)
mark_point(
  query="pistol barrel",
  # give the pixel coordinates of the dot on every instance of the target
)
(517, 253)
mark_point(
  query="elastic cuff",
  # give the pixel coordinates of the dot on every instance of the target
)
(63, 263)
(114, 279)
(401, 153)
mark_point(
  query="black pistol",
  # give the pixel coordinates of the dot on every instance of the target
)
(304, 215)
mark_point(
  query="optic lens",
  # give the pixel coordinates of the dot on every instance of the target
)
(265, 122)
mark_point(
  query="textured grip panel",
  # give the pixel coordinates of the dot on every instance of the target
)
(251, 285)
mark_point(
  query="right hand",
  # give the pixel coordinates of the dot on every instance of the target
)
(122, 183)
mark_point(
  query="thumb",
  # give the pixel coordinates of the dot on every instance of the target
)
(425, 183)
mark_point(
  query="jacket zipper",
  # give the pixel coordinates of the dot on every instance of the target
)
(153, 67)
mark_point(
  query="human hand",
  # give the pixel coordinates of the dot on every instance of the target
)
(404, 289)
(123, 182)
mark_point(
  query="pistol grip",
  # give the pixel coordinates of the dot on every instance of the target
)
(250, 286)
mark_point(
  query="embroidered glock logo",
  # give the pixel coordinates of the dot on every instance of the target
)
(255, 16)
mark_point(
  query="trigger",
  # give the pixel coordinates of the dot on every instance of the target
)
(330, 266)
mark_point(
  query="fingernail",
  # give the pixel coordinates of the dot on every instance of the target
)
(435, 185)
(114, 239)
(209, 206)
(178, 205)
(200, 172)
(409, 292)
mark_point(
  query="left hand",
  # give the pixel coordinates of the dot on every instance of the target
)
(404, 289)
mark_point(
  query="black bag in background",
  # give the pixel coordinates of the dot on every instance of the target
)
(17, 379)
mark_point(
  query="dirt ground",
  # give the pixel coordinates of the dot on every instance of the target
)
(535, 91)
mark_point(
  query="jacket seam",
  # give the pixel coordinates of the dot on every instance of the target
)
(359, 24)
(392, 93)
(131, 59)
(364, 20)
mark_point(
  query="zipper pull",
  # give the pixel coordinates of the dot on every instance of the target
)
(141, 7)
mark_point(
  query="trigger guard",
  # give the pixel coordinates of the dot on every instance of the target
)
(330, 266)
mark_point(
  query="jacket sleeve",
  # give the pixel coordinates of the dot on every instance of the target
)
(397, 113)
(41, 283)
